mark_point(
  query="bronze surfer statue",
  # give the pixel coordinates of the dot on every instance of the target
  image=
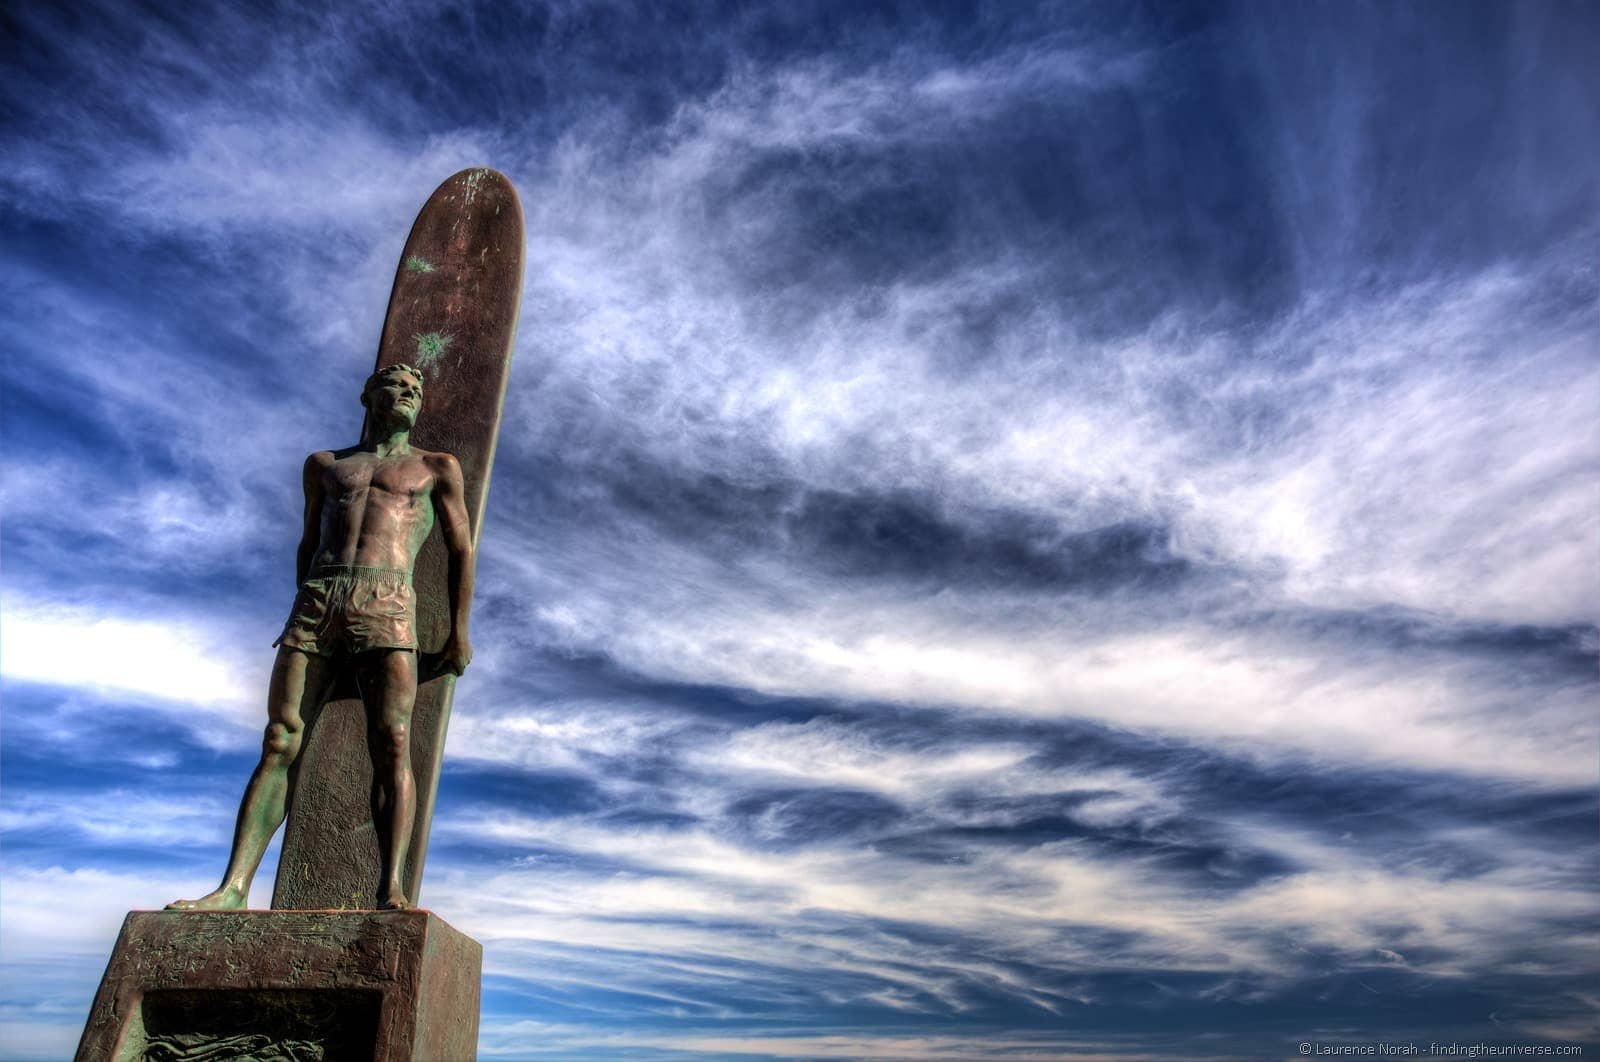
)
(368, 510)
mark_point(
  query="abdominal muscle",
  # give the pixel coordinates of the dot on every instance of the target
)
(374, 528)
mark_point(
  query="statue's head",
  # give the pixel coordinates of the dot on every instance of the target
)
(394, 389)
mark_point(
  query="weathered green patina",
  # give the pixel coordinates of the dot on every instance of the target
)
(430, 345)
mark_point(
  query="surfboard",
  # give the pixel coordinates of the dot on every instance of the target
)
(453, 315)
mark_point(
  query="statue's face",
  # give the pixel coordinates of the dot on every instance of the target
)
(396, 395)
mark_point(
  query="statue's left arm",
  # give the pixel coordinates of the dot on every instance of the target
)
(449, 500)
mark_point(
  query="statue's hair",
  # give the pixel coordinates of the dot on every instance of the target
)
(386, 372)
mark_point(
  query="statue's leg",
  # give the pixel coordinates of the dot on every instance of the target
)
(389, 689)
(299, 684)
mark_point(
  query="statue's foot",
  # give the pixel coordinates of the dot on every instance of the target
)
(396, 901)
(227, 898)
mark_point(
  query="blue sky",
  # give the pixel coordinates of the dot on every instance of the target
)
(1020, 531)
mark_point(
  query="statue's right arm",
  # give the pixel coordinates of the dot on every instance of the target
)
(311, 481)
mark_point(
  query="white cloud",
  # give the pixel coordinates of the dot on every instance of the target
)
(558, 735)
(121, 817)
(819, 753)
(94, 649)
(1259, 691)
(1030, 918)
(1445, 463)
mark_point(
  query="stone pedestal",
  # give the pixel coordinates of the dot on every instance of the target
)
(286, 986)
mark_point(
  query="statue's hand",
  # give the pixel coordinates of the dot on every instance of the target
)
(456, 656)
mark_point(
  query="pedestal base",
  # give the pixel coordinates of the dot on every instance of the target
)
(286, 986)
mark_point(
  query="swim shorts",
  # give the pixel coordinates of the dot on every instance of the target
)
(347, 608)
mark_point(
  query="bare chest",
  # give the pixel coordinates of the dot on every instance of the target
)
(365, 476)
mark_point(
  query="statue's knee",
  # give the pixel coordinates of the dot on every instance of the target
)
(281, 740)
(397, 738)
